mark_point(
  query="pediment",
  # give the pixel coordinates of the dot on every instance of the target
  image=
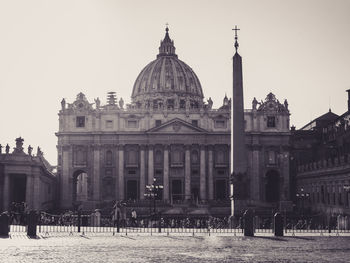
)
(177, 126)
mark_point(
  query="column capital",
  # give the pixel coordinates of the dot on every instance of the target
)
(188, 147)
(210, 147)
(150, 147)
(120, 147)
(143, 147)
(166, 147)
(96, 147)
(203, 147)
(66, 147)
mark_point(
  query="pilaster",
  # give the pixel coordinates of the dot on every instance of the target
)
(187, 172)
(96, 172)
(6, 194)
(36, 193)
(142, 173)
(121, 171)
(202, 180)
(65, 194)
(150, 165)
(210, 173)
(166, 173)
(29, 191)
(255, 176)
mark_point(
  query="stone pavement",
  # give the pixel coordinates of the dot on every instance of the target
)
(62, 248)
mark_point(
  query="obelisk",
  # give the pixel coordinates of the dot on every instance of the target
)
(238, 148)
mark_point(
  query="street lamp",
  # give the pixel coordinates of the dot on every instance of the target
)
(152, 193)
(302, 196)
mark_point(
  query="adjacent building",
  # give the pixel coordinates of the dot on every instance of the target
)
(321, 164)
(26, 178)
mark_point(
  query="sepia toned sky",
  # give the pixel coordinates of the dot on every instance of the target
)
(49, 50)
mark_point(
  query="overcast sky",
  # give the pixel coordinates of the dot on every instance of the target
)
(49, 50)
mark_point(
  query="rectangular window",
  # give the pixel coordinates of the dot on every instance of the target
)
(272, 157)
(109, 124)
(80, 121)
(131, 172)
(220, 124)
(158, 123)
(195, 123)
(132, 124)
(271, 122)
(221, 172)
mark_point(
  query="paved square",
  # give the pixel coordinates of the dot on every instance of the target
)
(173, 248)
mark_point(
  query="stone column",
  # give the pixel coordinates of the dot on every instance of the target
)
(255, 178)
(121, 172)
(66, 187)
(150, 165)
(166, 174)
(36, 193)
(142, 173)
(29, 191)
(285, 174)
(187, 172)
(202, 180)
(6, 193)
(210, 174)
(96, 173)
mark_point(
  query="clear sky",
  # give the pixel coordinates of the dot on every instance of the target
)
(49, 50)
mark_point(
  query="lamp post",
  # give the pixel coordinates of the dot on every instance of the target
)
(152, 192)
(302, 196)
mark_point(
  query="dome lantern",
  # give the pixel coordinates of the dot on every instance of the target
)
(167, 47)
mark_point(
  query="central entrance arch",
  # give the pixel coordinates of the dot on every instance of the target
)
(272, 187)
(80, 186)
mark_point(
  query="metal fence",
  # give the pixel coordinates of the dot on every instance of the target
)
(72, 223)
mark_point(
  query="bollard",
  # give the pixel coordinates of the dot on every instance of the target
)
(278, 225)
(248, 223)
(32, 224)
(159, 226)
(4, 225)
(79, 220)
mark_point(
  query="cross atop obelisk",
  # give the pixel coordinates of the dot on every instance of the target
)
(236, 38)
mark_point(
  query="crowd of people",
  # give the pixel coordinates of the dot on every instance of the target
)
(121, 217)
(18, 213)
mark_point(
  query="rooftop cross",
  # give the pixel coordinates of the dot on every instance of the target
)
(236, 37)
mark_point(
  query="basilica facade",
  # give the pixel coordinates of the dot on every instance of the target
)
(169, 135)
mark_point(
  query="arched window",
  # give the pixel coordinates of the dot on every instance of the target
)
(132, 157)
(108, 186)
(176, 154)
(220, 157)
(109, 156)
(194, 157)
(80, 156)
(158, 157)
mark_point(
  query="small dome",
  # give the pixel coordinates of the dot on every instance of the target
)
(167, 76)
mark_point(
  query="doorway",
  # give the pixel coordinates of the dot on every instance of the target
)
(18, 183)
(176, 189)
(272, 187)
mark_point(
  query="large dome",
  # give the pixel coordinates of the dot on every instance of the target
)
(167, 77)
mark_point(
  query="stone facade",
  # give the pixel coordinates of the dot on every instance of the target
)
(321, 165)
(26, 178)
(168, 132)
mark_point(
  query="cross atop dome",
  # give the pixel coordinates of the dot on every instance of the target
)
(167, 47)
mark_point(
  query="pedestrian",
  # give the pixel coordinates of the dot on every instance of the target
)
(133, 218)
(116, 213)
